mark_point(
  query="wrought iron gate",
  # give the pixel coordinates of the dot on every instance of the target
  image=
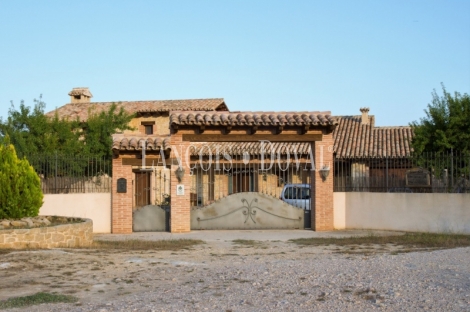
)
(214, 187)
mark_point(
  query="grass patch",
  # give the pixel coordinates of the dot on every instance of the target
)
(133, 244)
(246, 242)
(416, 240)
(38, 298)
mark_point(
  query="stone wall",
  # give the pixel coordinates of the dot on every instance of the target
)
(161, 124)
(65, 235)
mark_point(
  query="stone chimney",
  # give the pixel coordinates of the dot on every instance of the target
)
(80, 95)
(365, 115)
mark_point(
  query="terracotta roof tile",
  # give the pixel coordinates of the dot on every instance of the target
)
(81, 111)
(351, 140)
(354, 139)
(128, 142)
(252, 118)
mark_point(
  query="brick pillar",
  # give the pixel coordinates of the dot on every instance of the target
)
(322, 205)
(180, 204)
(121, 210)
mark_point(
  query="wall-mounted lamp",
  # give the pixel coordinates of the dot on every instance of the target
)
(265, 176)
(324, 172)
(179, 173)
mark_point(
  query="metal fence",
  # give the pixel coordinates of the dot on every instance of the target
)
(425, 173)
(215, 178)
(61, 174)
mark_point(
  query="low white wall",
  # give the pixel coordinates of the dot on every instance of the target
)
(94, 206)
(402, 211)
(339, 210)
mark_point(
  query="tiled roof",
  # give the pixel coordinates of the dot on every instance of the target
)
(81, 110)
(134, 142)
(253, 118)
(354, 140)
(351, 140)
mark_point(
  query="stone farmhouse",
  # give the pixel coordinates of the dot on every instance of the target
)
(195, 164)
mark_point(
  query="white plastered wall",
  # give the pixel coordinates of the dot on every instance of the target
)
(402, 212)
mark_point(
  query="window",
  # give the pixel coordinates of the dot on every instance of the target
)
(148, 129)
(290, 193)
(295, 192)
(304, 193)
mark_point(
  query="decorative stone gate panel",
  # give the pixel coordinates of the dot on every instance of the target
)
(247, 210)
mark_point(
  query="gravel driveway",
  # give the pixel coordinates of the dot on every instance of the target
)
(269, 274)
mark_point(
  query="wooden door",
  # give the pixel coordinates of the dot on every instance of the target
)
(142, 189)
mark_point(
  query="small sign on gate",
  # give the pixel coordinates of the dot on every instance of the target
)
(418, 177)
(180, 189)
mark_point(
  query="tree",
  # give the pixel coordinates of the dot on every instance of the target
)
(20, 186)
(446, 126)
(32, 132)
(99, 128)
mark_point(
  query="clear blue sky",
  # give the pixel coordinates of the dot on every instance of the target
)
(258, 55)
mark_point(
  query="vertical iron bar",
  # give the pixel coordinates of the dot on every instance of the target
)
(452, 169)
(55, 179)
(386, 173)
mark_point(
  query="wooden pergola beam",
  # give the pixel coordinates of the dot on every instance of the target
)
(252, 138)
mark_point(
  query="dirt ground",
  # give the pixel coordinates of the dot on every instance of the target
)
(240, 271)
(103, 275)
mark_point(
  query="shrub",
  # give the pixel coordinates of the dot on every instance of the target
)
(20, 187)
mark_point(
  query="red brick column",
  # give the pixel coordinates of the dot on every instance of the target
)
(322, 205)
(180, 204)
(121, 210)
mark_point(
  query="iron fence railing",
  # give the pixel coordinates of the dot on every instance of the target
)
(213, 179)
(61, 174)
(425, 173)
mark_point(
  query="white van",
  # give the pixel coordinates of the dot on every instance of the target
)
(297, 195)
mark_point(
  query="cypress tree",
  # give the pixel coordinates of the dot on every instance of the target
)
(20, 186)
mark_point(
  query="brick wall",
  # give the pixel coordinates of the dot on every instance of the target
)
(180, 204)
(322, 205)
(121, 211)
